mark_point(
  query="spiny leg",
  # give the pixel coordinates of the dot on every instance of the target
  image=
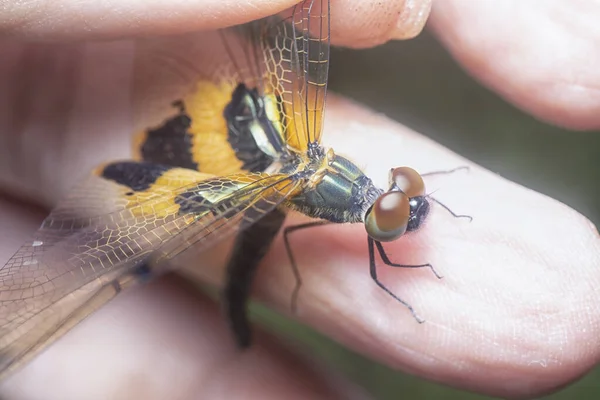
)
(389, 263)
(448, 171)
(450, 211)
(373, 271)
(288, 248)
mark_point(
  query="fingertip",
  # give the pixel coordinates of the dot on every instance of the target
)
(369, 23)
(535, 55)
(523, 273)
(412, 19)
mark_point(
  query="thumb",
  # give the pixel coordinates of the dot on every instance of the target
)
(83, 20)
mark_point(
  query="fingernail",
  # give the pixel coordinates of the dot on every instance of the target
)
(412, 19)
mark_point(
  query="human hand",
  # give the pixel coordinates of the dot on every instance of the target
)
(517, 303)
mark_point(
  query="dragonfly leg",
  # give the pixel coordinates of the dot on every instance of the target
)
(389, 263)
(373, 270)
(448, 171)
(295, 270)
(450, 211)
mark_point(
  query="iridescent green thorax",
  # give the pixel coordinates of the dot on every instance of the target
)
(338, 192)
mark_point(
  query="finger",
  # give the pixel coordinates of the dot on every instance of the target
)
(506, 244)
(60, 99)
(368, 23)
(65, 109)
(81, 20)
(542, 56)
(162, 341)
(63, 98)
(520, 281)
(354, 23)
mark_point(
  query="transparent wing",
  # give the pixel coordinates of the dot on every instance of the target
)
(260, 194)
(182, 86)
(296, 51)
(190, 67)
(285, 58)
(101, 239)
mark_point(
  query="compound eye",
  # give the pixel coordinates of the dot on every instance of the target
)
(408, 180)
(387, 219)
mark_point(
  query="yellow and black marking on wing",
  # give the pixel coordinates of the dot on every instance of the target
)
(243, 97)
(256, 100)
(170, 143)
(222, 124)
(113, 231)
(118, 227)
(140, 182)
(195, 137)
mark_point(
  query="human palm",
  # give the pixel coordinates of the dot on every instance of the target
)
(516, 313)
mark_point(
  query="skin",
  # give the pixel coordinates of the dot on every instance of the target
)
(517, 314)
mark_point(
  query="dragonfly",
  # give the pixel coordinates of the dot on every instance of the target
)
(237, 150)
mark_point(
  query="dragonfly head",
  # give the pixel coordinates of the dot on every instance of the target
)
(403, 208)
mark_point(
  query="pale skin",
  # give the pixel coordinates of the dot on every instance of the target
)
(517, 313)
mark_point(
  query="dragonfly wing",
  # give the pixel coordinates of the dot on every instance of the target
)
(232, 214)
(89, 249)
(182, 87)
(297, 55)
(183, 84)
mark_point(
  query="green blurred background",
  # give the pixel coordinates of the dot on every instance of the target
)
(417, 83)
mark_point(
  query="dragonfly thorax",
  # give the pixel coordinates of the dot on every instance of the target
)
(338, 191)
